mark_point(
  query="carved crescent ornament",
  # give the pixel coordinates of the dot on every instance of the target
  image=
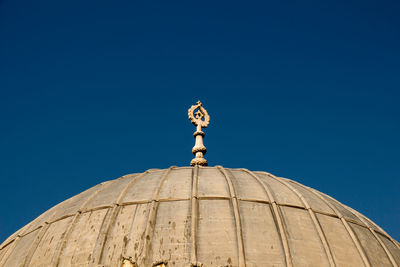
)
(203, 114)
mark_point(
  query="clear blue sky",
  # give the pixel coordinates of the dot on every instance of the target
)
(92, 90)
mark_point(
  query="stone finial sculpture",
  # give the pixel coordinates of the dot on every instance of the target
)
(200, 118)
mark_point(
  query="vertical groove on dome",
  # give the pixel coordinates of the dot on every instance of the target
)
(314, 219)
(62, 243)
(377, 227)
(151, 222)
(221, 215)
(365, 219)
(343, 220)
(239, 235)
(110, 220)
(345, 223)
(12, 243)
(390, 256)
(379, 240)
(32, 247)
(277, 218)
(9, 241)
(13, 237)
(27, 258)
(125, 243)
(9, 250)
(3, 252)
(35, 244)
(194, 208)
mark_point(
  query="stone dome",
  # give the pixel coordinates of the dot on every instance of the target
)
(200, 216)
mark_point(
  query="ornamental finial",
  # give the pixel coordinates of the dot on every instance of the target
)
(200, 118)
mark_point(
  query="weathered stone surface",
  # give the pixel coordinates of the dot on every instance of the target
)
(189, 216)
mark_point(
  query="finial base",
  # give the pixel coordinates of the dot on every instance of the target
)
(199, 161)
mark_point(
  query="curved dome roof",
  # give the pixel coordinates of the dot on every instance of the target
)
(200, 216)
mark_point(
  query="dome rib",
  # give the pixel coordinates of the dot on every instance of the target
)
(194, 215)
(62, 243)
(366, 225)
(190, 216)
(34, 245)
(110, 220)
(397, 244)
(30, 228)
(343, 220)
(19, 233)
(151, 221)
(276, 214)
(10, 247)
(234, 201)
(345, 223)
(367, 220)
(379, 240)
(313, 218)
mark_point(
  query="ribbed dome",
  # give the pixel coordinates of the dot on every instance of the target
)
(188, 216)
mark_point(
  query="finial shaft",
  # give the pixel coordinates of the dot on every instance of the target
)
(199, 150)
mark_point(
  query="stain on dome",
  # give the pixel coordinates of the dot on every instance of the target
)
(200, 216)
